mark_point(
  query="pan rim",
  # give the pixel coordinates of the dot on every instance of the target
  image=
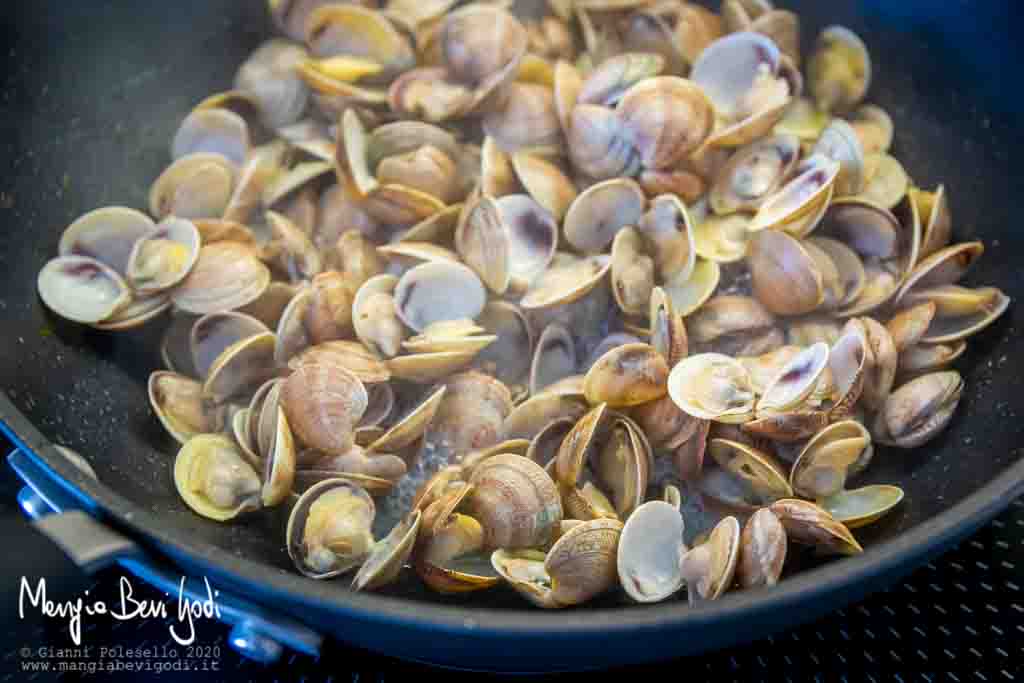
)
(904, 551)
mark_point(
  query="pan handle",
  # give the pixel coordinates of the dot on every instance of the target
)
(256, 633)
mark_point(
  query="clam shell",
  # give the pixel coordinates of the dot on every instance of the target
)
(82, 289)
(198, 185)
(602, 210)
(626, 375)
(107, 235)
(515, 501)
(712, 386)
(226, 276)
(649, 551)
(213, 460)
(422, 294)
(323, 404)
(211, 334)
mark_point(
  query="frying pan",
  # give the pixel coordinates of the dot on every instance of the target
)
(92, 93)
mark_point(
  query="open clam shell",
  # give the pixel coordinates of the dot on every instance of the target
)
(329, 528)
(795, 381)
(840, 450)
(241, 368)
(860, 507)
(82, 289)
(809, 524)
(177, 401)
(839, 141)
(411, 426)
(212, 334)
(198, 185)
(936, 217)
(602, 210)
(709, 568)
(389, 555)
(568, 279)
(753, 174)
(649, 552)
(943, 267)
(712, 386)
(107, 235)
(213, 478)
(668, 225)
(919, 410)
(799, 205)
(164, 257)
(214, 130)
(785, 277)
(722, 239)
(668, 331)
(374, 316)
(839, 69)
(421, 294)
(553, 359)
(744, 478)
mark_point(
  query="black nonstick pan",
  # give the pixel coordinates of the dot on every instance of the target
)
(90, 96)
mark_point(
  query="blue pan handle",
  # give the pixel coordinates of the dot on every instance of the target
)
(256, 633)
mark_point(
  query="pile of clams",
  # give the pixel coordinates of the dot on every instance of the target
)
(618, 296)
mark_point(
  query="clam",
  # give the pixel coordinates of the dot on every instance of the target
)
(388, 555)
(543, 448)
(580, 565)
(420, 294)
(799, 205)
(598, 143)
(545, 183)
(762, 552)
(712, 386)
(226, 276)
(722, 239)
(753, 174)
(863, 506)
(214, 130)
(708, 569)
(357, 462)
(627, 375)
(600, 211)
(960, 312)
(450, 561)
(606, 84)
(177, 402)
(849, 267)
(471, 414)
(909, 325)
(847, 360)
(197, 185)
(482, 45)
(809, 524)
(353, 31)
(668, 331)
(164, 257)
(568, 279)
(742, 74)
(836, 452)
(667, 118)
(424, 368)
(689, 294)
(515, 501)
(943, 267)
(917, 411)
(507, 241)
(279, 465)
(329, 529)
(270, 78)
(785, 278)
(323, 404)
(553, 359)
(874, 128)
(212, 334)
(728, 315)
(664, 424)
(509, 357)
(350, 355)
(804, 120)
(241, 368)
(840, 142)
(795, 381)
(884, 358)
(650, 548)
(82, 289)
(839, 69)
(744, 477)
(107, 235)
(531, 416)
(921, 359)
(889, 182)
(213, 478)
(290, 183)
(667, 225)
(525, 120)
(375, 318)
(935, 214)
